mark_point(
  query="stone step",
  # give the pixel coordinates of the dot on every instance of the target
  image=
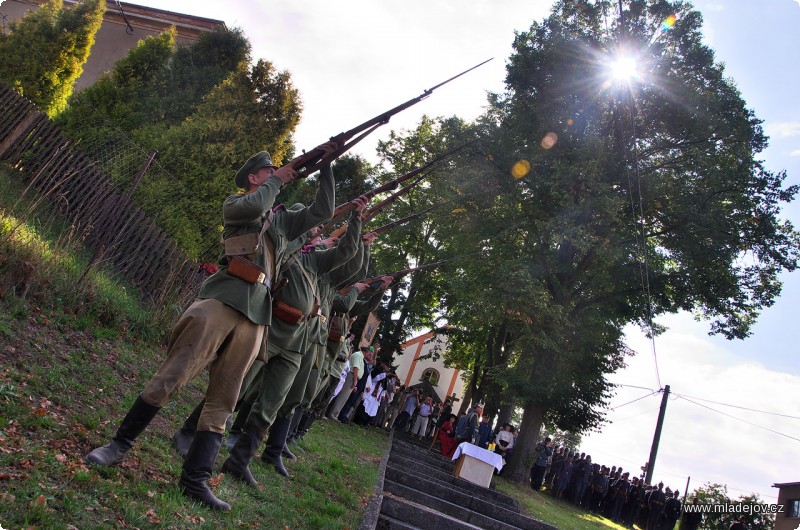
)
(444, 480)
(423, 459)
(480, 504)
(421, 467)
(420, 516)
(434, 453)
(441, 505)
(390, 523)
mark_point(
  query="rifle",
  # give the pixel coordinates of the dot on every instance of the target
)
(385, 203)
(394, 224)
(312, 161)
(371, 212)
(401, 273)
(343, 209)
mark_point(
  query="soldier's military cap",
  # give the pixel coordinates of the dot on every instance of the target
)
(253, 164)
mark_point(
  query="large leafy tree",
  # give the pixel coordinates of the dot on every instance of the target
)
(157, 82)
(601, 202)
(43, 53)
(633, 199)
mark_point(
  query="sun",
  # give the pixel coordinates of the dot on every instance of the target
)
(624, 69)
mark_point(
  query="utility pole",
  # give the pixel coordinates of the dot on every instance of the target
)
(651, 463)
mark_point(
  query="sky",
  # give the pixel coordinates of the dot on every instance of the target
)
(353, 60)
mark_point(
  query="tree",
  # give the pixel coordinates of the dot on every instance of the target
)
(717, 495)
(413, 301)
(204, 108)
(601, 204)
(254, 109)
(43, 54)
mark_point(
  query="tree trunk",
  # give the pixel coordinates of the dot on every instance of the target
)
(522, 461)
(506, 410)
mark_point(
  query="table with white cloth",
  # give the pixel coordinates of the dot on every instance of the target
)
(475, 464)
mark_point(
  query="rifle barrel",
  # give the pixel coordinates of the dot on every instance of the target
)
(308, 163)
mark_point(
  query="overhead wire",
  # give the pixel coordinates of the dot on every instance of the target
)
(640, 232)
(740, 407)
(635, 400)
(740, 419)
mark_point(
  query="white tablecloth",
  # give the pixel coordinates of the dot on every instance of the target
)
(491, 458)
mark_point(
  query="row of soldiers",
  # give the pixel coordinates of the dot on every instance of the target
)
(612, 492)
(269, 326)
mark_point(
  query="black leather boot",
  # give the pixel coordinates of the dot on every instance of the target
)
(182, 439)
(238, 425)
(296, 417)
(305, 425)
(135, 422)
(288, 452)
(242, 453)
(275, 444)
(197, 469)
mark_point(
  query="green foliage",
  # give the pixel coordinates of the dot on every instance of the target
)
(43, 53)
(204, 110)
(717, 494)
(594, 205)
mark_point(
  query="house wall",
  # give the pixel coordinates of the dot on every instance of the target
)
(787, 493)
(112, 40)
(410, 367)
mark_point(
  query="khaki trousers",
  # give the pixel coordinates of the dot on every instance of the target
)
(214, 335)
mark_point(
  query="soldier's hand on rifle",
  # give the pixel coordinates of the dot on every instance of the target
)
(386, 281)
(286, 173)
(360, 287)
(328, 148)
(330, 242)
(361, 203)
(369, 238)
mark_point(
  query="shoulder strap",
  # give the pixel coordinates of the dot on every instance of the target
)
(312, 284)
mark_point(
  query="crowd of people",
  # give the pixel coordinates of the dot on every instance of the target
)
(610, 492)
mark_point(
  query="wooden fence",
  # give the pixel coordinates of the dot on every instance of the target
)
(73, 183)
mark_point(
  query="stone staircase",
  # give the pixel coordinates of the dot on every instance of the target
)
(419, 491)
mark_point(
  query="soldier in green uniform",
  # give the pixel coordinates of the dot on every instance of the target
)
(344, 309)
(305, 388)
(294, 304)
(226, 326)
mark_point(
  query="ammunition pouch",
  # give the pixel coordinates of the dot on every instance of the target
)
(285, 312)
(244, 245)
(244, 269)
(336, 329)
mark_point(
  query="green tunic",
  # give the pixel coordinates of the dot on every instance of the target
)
(245, 214)
(301, 288)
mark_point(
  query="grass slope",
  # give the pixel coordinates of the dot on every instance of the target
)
(63, 392)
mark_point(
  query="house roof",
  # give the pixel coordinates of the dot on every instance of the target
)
(785, 484)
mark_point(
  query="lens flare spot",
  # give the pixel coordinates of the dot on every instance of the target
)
(607, 84)
(549, 140)
(570, 122)
(666, 25)
(520, 169)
